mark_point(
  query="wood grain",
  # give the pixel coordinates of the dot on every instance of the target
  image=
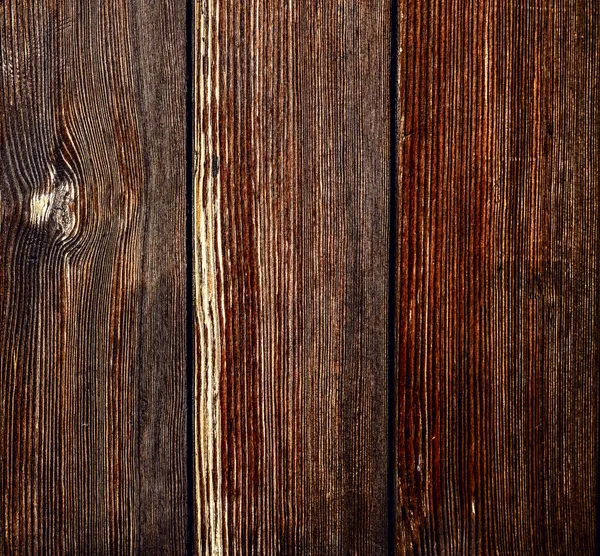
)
(92, 277)
(487, 201)
(291, 250)
(497, 315)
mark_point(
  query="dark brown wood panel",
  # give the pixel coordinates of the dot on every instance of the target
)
(497, 315)
(291, 247)
(92, 277)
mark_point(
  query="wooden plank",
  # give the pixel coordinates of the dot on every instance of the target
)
(92, 277)
(497, 288)
(291, 250)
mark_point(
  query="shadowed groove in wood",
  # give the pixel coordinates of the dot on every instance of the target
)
(392, 340)
(92, 294)
(497, 313)
(291, 228)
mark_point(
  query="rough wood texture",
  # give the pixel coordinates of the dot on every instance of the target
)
(92, 277)
(494, 309)
(291, 247)
(497, 290)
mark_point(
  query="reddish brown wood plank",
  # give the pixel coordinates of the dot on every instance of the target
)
(497, 291)
(292, 192)
(92, 277)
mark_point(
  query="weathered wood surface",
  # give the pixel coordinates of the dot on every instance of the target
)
(92, 277)
(486, 204)
(291, 250)
(497, 316)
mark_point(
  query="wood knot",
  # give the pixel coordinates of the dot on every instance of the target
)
(54, 207)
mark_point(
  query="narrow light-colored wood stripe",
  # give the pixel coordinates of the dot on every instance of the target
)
(210, 315)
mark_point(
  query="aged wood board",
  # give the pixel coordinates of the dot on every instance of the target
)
(291, 251)
(497, 305)
(93, 439)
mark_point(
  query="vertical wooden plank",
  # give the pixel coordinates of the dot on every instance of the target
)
(497, 290)
(92, 277)
(291, 248)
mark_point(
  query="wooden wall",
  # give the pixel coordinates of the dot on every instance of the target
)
(311, 277)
